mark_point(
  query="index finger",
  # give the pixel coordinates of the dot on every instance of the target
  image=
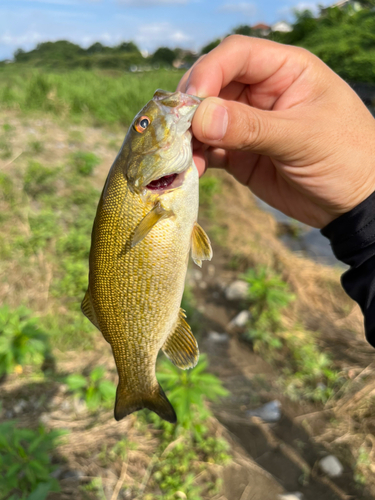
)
(246, 60)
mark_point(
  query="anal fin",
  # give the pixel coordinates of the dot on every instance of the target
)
(157, 214)
(200, 245)
(181, 347)
(88, 310)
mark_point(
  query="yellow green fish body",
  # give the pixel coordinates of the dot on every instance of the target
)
(144, 229)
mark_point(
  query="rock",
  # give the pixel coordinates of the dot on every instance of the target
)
(218, 337)
(240, 320)
(211, 270)
(331, 466)
(20, 406)
(291, 496)
(196, 274)
(237, 290)
(57, 473)
(66, 405)
(73, 474)
(44, 418)
(270, 412)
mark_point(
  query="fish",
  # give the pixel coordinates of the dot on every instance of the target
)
(144, 230)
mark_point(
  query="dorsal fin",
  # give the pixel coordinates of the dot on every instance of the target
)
(88, 310)
(200, 245)
(181, 347)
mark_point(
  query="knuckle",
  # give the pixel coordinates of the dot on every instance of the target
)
(252, 128)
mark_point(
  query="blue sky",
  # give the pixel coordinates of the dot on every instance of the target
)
(150, 23)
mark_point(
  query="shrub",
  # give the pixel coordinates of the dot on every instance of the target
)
(25, 462)
(21, 342)
(94, 389)
(85, 162)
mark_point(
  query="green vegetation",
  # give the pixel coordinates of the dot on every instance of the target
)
(85, 162)
(188, 390)
(101, 97)
(306, 371)
(93, 388)
(125, 56)
(21, 341)
(269, 295)
(25, 462)
(187, 448)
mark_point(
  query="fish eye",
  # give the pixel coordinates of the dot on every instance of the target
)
(141, 124)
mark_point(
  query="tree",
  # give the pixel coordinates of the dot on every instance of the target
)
(207, 48)
(163, 55)
(244, 29)
(127, 47)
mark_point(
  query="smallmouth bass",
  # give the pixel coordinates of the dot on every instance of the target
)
(145, 226)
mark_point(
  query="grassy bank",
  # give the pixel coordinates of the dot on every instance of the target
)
(102, 97)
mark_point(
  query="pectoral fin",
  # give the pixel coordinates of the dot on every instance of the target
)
(200, 245)
(157, 214)
(181, 347)
(88, 310)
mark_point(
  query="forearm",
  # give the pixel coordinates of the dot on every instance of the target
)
(352, 237)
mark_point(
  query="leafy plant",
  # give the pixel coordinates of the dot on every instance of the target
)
(269, 294)
(309, 373)
(85, 162)
(188, 390)
(21, 341)
(94, 389)
(25, 462)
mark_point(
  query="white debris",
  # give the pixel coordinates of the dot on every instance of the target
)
(218, 337)
(331, 466)
(270, 412)
(237, 290)
(240, 320)
(196, 274)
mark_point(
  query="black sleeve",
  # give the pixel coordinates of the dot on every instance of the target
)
(352, 237)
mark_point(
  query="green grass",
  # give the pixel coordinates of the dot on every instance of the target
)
(104, 97)
(307, 372)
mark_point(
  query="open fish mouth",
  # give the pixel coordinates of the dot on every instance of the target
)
(167, 182)
(162, 182)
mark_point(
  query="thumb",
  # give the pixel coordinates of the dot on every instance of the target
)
(233, 125)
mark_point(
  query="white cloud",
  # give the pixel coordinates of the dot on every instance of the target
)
(245, 8)
(31, 37)
(151, 36)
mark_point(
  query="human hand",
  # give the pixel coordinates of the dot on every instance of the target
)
(284, 124)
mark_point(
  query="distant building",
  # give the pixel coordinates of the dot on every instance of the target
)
(282, 26)
(261, 29)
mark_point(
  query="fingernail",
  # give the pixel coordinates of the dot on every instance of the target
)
(214, 121)
(190, 89)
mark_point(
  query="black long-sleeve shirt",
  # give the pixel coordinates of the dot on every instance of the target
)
(352, 237)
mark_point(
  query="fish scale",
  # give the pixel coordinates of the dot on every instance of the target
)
(138, 260)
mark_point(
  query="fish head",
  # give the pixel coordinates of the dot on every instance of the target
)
(158, 142)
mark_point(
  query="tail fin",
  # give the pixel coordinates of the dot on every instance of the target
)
(156, 401)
